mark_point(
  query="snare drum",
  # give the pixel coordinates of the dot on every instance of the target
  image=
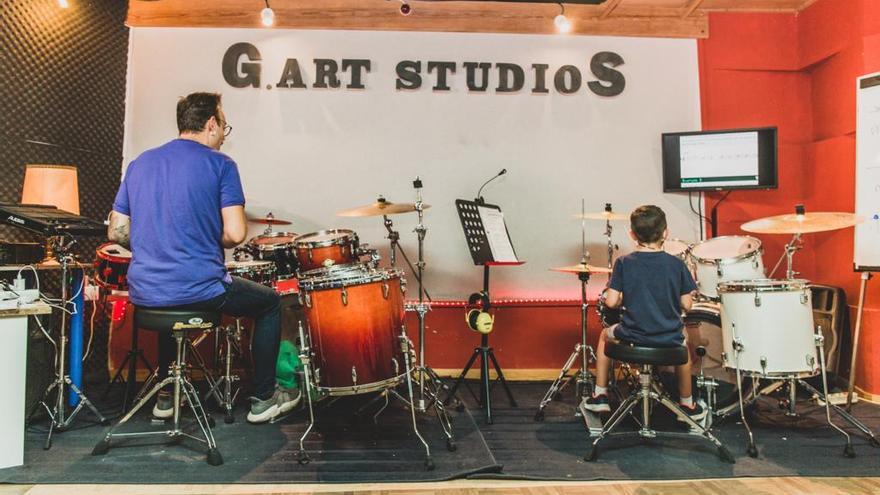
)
(722, 259)
(261, 272)
(355, 319)
(772, 321)
(326, 248)
(276, 247)
(111, 266)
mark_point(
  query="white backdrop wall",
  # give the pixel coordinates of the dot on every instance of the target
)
(305, 154)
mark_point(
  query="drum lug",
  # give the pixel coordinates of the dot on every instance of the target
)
(305, 299)
(724, 357)
(402, 285)
(764, 364)
(755, 261)
(354, 375)
(385, 290)
(395, 365)
(310, 253)
(344, 295)
(811, 361)
(757, 300)
(718, 269)
(804, 297)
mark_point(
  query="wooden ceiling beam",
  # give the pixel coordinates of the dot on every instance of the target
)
(610, 5)
(445, 16)
(691, 8)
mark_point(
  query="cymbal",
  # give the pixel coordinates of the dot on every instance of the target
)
(582, 268)
(820, 221)
(601, 215)
(381, 207)
(268, 220)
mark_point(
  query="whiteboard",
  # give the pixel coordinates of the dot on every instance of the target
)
(306, 154)
(867, 238)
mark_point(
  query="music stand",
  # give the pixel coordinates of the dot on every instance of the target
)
(485, 251)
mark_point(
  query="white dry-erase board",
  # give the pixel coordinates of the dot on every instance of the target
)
(866, 256)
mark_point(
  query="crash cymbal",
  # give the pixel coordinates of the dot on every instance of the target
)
(820, 221)
(380, 207)
(268, 220)
(582, 268)
(602, 215)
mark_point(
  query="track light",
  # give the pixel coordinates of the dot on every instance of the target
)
(267, 15)
(63, 4)
(563, 25)
(405, 8)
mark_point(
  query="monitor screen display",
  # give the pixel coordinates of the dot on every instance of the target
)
(719, 160)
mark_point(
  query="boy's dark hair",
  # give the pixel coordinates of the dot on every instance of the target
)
(648, 223)
(195, 109)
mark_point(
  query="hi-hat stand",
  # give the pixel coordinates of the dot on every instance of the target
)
(58, 417)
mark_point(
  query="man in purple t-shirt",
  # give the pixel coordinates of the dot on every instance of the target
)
(178, 206)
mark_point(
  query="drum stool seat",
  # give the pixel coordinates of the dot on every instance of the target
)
(180, 323)
(647, 392)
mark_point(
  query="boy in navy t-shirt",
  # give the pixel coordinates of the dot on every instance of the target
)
(653, 288)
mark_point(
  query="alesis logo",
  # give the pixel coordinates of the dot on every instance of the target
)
(15, 219)
(242, 68)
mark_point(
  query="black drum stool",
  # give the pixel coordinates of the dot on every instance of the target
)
(647, 392)
(179, 323)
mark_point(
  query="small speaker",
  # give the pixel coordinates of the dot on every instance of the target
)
(829, 314)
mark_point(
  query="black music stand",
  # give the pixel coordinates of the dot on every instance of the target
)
(481, 252)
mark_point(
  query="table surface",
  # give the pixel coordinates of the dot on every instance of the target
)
(35, 308)
(46, 266)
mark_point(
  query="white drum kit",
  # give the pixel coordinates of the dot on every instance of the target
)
(751, 335)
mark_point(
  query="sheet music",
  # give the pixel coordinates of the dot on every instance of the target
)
(496, 233)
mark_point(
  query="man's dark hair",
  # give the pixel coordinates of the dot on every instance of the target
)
(195, 109)
(648, 223)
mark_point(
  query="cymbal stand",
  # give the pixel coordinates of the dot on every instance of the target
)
(794, 245)
(269, 216)
(608, 230)
(584, 379)
(57, 413)
(421, 308)
(394, 237)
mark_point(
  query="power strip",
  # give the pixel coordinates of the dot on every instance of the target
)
(13, 300)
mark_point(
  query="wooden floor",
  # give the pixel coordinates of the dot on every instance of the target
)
(751, 486)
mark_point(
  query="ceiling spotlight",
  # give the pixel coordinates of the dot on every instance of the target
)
(405, 8)
(563, 25)
(63, 4)
(267, 15)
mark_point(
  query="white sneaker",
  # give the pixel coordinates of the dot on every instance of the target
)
(281, 402)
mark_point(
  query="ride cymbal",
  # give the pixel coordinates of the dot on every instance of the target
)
(582, 268)
(806, 223)
(380, 207)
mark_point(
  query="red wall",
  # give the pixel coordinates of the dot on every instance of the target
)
(798, 73)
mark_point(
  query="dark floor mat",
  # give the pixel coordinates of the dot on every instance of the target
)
(342, 450)
(554, 448)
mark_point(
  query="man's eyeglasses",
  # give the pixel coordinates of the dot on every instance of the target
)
(227, 130)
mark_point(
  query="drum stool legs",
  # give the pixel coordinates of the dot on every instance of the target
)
(646, 394)
(179, 323)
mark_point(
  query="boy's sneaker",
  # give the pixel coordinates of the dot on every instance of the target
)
(282, 401)
(598, 403)
(696, 413)
(164, 407)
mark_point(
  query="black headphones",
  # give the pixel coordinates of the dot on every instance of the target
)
(479, 319)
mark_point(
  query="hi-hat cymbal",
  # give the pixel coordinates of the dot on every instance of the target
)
(381, 207)
(268, 220)
(582, 268)
(807, 223)
(601, 215)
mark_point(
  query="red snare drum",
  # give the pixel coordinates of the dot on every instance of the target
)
(276, 247)
(326, 248)
(111, 266)
(261, 272)
(355, 319)
(286, 286)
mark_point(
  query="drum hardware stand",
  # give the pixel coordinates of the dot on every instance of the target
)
(793, 381)
(222, 388)
(305, 357)
(59, 420)
(584, 380)
(608, 230)
(855, 342)
(708, 384)
(793, 246)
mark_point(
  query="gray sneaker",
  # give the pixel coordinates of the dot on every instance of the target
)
(164, 407)
(281, 402)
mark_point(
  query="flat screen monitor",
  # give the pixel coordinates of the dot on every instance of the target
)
(720, 160)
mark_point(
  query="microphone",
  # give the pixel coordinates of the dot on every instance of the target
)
(479, 199)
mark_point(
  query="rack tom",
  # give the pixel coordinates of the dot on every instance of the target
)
(276, 247)
(726, 258)
(326, 248)
(261, 272)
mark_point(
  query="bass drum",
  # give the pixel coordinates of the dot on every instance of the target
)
(703, 326)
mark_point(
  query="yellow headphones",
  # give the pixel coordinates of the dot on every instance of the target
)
(479, 319)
